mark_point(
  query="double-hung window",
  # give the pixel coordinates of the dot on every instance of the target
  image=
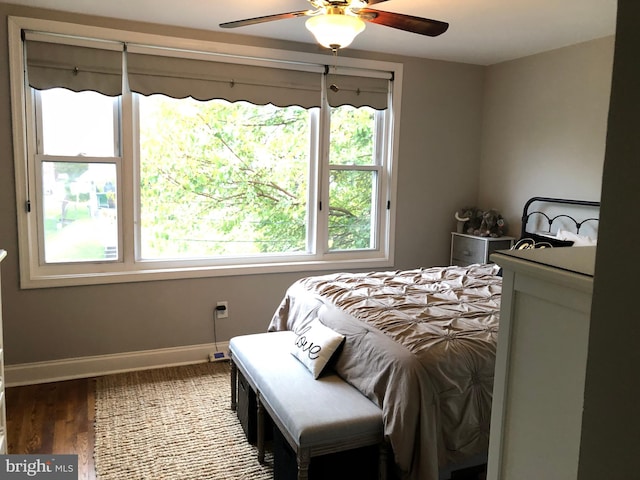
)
(140, 160)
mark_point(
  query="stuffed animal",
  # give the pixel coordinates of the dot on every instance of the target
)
(491, 225)
(472, 218)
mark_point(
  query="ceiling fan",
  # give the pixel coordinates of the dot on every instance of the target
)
(335, 23)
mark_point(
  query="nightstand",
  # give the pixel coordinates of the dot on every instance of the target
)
(467, 249)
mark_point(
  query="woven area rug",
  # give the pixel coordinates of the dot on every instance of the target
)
(172, 424)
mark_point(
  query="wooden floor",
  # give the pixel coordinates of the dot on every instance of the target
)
(59, 418)
(54, 418)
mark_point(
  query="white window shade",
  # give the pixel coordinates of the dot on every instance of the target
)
(357, 91)
(77, 68)
(80, 64)
(207, 80)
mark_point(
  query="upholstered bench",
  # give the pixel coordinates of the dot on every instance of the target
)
(316, 417)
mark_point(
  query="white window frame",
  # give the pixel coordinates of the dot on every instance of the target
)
(128, 268)
(61, 268)
(35, 104)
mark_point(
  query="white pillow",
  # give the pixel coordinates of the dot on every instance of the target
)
(314, 344)
(578, 240)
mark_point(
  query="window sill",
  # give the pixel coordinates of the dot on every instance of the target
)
(35, 280)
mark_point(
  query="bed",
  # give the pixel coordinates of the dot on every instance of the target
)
(421, 344)
(560, 222)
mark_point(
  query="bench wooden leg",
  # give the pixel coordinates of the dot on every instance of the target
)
(382, 467)
(260, 429)
(304, 459)
(234, 385)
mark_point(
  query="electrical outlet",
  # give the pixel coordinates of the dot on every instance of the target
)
(218, 356)
(222, 310)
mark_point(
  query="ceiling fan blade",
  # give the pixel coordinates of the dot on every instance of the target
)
(266, 18)
(372, 2)
(409, 23)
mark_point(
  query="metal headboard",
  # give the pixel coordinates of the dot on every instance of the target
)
(526, 214)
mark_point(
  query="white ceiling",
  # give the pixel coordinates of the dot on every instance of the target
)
(481, 32)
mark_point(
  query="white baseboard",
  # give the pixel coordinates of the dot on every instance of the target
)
(83, 367)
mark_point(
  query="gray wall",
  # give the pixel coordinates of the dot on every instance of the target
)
(544, 127)
(610, 446)
(439, 148)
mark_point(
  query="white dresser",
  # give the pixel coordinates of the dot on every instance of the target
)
(538, 393)
(3, 410)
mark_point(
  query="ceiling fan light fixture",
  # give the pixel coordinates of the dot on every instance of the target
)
(335, 31)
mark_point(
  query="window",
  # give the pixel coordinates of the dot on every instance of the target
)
(143, 164)
(77, 164)
(354, 178)
(222, 179)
